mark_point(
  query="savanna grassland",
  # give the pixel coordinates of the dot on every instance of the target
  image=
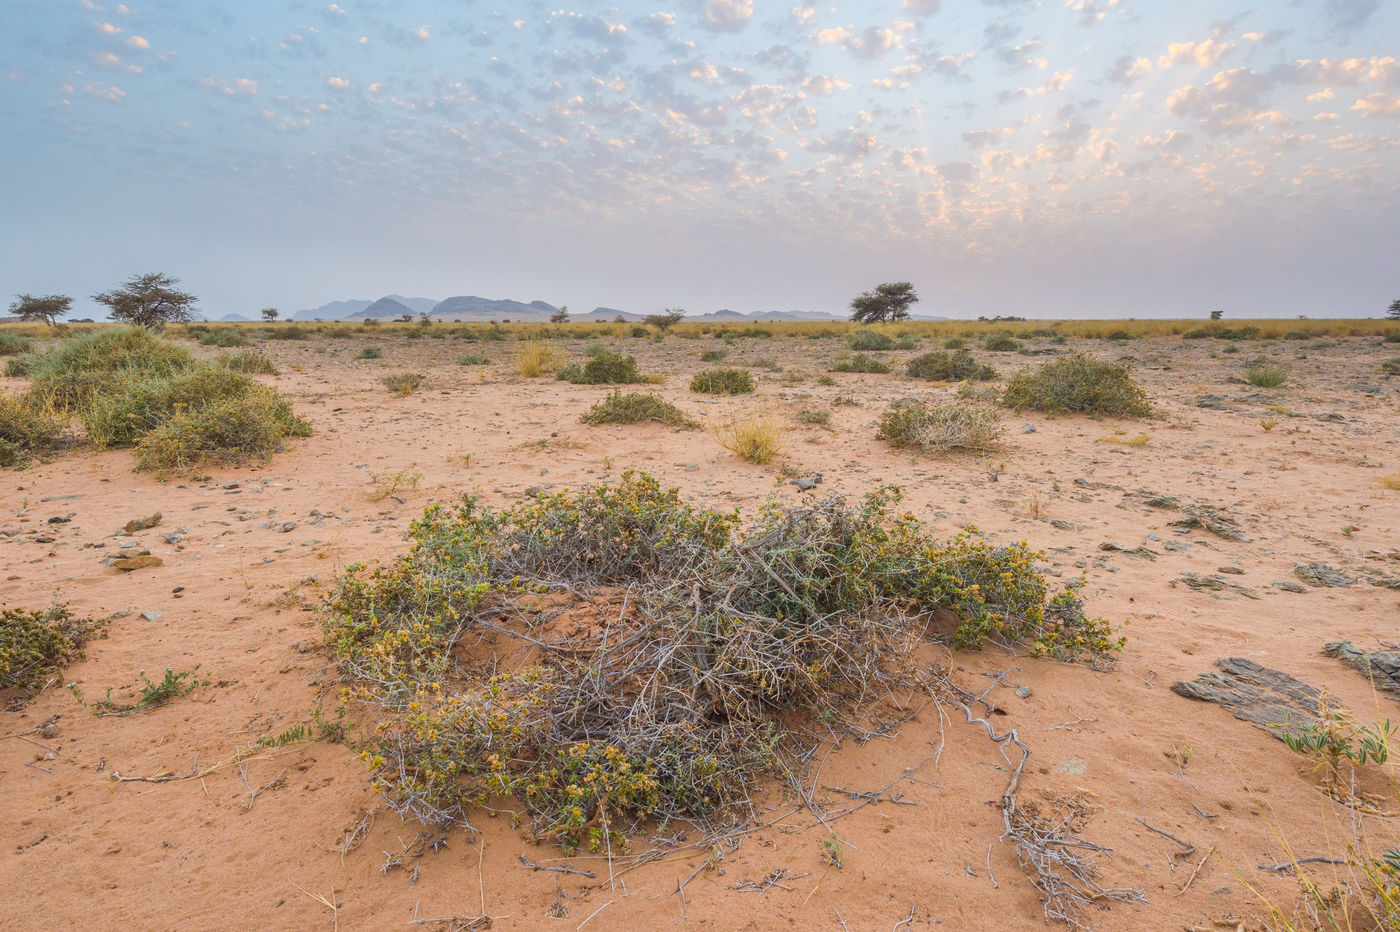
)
(898, 651)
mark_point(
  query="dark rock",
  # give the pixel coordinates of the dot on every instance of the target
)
(1288, 585)
(1381, 667)
(1274, 701)
(141, 524)
(1322, 576)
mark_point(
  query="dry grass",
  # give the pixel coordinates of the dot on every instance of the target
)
(942, 428)
(1121, 437)
(1391, 482)
(534, 359)
(755, 438)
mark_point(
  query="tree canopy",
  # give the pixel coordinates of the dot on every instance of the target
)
(149, 300)
(269, 314)
(887, 302)
(665, 321)
(48, 308)
(1393, 312)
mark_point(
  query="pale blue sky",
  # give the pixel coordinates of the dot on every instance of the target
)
(1079, 158)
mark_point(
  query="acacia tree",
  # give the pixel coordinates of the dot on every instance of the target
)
(149, 300)
(560, 316)
(48, 309)
(269, 314)
(888, 302)
(665, 321)
(1393, 312)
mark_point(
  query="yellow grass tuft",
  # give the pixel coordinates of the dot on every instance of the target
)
(756, 438)
(534, 359)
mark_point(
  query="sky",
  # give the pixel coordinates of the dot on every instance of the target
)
(1043, 158)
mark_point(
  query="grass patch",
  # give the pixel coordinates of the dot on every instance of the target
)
(370, 352)
(722, 382)
(869, 341)
(756, 439)
(862, 363)
(696, 692)
(942, 428)
(473, 359)
(635, 408)
(14, 344)
(949, 367)
(714, 355)
(1001, 343)
(1080, 384)
(224, 337)
(1266, 376)
(1121, 438)
(26, 429)
(402, 383)
(250, 362)
(534, 359)
(1391, 366)
(247, 427)
(606, 368)
(814, 417)
(287, 332)
(35, 646)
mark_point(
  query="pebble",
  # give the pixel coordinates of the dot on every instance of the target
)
(1023, 692)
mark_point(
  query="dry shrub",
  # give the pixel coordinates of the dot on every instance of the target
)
(402, 383)
(862, 363)
(534, 359)
(35, 645)
(666, 662)
(26, 428)
(1266, 376)
(226, 431)
(635, 408)
(722, 382)
(250, 362)
(755, 438)
(14, 344)
(606, 368)
(869, 340)
(949, 367)
(942, 428)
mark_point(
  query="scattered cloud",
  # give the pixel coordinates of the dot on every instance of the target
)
(727, 15)
(1127, 70)
(1090, 11)
(1378, 106)
(1204, 53)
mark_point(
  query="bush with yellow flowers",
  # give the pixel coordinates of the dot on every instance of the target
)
(727, 640)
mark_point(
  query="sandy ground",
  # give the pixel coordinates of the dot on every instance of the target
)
(257, 846)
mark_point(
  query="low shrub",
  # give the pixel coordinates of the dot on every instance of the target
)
(1266, 376)
(1389, 337)
(606, 368)
(36, 645)
(288, 331)
(814, 417)
(226, 432)
(224, 337)
(942, 428)
(1391, 366)
(1118, 335)
(949, 367)
(1001, 343)
(861, 363)
(635, 408)
(250, 362)
(473, 359)
(640, 331)
(26, 429)
(954, 343)
(758, 439)
(722, 382)
(1300, 335)
(687, 695)
(370, 352)
(13, 344)
(714, 355)
(402, 383)
(869, 340)
(1080, 384)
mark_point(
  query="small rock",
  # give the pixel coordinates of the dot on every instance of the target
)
(141, 524)
(1071, 765)
(152, 614)
(127, 564)
(1028, 429)
(60, 519)
(1023, 692)
(1287, 585)
(1231, 570)
(231, 485)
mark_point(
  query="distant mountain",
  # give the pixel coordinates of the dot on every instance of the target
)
(606, 314)
(341, 310)
(235, 319)
(383, 309)
(471, 307)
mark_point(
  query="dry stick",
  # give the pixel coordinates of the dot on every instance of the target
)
(1205, 857)
(904, 922)
(1289, 865)
(594, 913)
(526, 862)
(1190, 848)
(990, 873)
(840, 919)
(329, 904)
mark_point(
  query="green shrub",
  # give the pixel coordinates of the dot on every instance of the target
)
(722, 382)
(1266, 376)
(1391, 366)
(119, 417)
(228, 431)
(635, 408)
(949, 367)
(288, 331)
(223, 337)
(1001, 343)
(869, 340)
(13, 344)
(640, 331)
(402, 383)
(954, 343)
(814, 417)
(906, 341)
(861, 363)
(1300, 335)
(473, 359)
(36, 645)
(103, 361)
(1389, 337)
(1078, 383)
(250, 362)
(18, 367)
(777, 635)
(370, 352)
(606, 368)
(714, 355)
(942, 428)
(1118, 335)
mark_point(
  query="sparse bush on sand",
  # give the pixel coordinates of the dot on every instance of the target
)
(35, 645)
(13, 344)
(606, 368)
(1078, 384)
(722, 382)
(250, 362)
(402, 383)
(949, 367)
(942, 428)
(534, 359)
(862, 363)
(1266, 376)
(26, 429)
(635, 408)
(676, 699)
(869, 340)
(755, 438)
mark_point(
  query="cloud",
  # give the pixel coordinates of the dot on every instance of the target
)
(1378, 106)
(1090, 11)
(1352, 71)
(923, 7)
(960, 172)
(1173, 142)
(338, 83)
(1230, 103)
(657, 24)
(110, 62)
(1019, 57)
(1127, 70)
(868, 44)
(982, 138)
(823, 85)
(1347, 17)
(215, 84)
(1204, 53)
(107, 29)
(727, 15)
(104, 92)
(138, 42)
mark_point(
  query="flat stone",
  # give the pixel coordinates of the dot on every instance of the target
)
(141, 524)
(1381, 667)
(127, 564)
(1274, 701)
